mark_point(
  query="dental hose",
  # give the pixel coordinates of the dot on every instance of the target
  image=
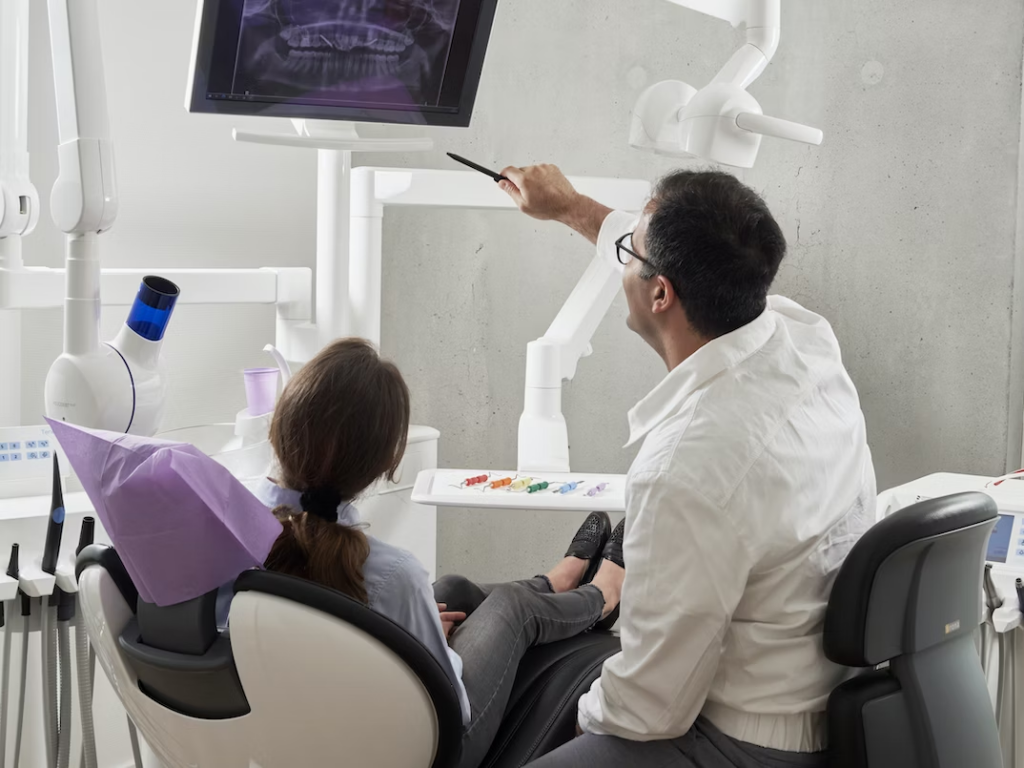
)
(64, 723)
(26, 616)
(86, 659)
(5, 683)
(134, 736)
(4, 706)
(51, 551)
(48, 648)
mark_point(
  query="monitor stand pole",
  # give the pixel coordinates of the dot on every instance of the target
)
(334, 141)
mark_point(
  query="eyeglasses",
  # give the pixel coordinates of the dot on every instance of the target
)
(629, 252)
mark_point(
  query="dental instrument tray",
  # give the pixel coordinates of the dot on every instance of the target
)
(505, 489)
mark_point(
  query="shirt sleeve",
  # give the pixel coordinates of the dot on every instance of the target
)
(616, 224)
(686, 570)
(408, 600)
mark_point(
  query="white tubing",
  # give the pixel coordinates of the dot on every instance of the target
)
(52, 673)
(85, 659)
(134, 736)
(50, 660)
(49, 737)
(1001, 645)
(20, 727)
(64, 723)
(5, 683)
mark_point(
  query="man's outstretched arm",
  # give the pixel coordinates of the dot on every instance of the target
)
(543, 192)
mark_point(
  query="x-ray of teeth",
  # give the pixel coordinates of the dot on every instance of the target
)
(386, 51)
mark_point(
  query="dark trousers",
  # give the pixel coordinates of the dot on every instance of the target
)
(504, 621)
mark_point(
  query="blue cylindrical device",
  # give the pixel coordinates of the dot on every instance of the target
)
(153, 306)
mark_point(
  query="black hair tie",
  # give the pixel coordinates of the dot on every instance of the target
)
(322, 502)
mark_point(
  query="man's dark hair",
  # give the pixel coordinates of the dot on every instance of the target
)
(717, 243)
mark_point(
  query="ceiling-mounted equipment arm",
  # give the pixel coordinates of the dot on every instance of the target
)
(720, 122)
(84, 197)
(763, 20)
(118, 386)
(19, 201)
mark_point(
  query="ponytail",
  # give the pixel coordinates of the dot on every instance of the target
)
(316, 550)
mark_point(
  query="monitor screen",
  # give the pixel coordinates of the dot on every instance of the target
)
(392, 61)
(999, 541)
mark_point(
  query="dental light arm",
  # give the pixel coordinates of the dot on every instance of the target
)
(763, 21)
(721, 122)
(119, 385)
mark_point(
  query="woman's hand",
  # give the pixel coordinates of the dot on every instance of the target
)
(449, 619)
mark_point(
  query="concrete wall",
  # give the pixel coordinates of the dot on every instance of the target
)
(902, 227)
(902, 231)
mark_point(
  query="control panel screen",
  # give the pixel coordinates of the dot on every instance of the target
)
(1000, 541)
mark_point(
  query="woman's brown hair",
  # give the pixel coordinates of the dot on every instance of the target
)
(340, 425)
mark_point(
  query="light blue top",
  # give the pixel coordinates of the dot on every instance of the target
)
(397, 586)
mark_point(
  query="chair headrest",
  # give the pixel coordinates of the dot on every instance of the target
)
(107, 558)
(189, 627)
(912, 581)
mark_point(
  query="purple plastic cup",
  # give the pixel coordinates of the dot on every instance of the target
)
(260, 390)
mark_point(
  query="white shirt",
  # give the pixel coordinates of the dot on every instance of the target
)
(753, 483)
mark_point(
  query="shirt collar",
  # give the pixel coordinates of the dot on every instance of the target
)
(273, 495)
(713, 358)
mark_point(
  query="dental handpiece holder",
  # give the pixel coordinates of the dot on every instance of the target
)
(119, 385)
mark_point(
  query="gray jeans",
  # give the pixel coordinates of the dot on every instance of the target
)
(505, 620)
(704, 746)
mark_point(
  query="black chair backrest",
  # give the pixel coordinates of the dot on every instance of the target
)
(910, 595)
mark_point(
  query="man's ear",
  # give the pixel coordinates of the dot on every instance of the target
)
(664, 295)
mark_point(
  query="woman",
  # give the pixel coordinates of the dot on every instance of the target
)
(341, 425)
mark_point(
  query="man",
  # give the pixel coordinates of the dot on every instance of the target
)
(753, 482)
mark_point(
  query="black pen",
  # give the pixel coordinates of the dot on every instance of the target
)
(1020, 594)
(475, 167)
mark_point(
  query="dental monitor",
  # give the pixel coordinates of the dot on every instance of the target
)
(385, 61)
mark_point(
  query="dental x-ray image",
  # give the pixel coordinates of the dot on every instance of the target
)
(378, 52)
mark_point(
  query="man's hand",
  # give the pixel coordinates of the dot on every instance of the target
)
(540, 191)
(543, 192)
(449, 618)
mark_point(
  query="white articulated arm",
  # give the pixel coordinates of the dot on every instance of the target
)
(552, 359)
(19, 201)
(720, 122)
(83, 202)
(84, 198)
(763, 20)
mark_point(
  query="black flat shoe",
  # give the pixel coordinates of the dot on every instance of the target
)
(613, 552)
(589, 543)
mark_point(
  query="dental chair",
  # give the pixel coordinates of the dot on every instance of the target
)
(907, 604)
(307, 677)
